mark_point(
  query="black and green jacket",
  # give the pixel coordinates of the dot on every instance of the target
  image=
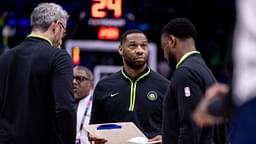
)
(120, 98)
(188, 84)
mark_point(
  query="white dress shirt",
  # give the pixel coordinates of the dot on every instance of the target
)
(80, 112)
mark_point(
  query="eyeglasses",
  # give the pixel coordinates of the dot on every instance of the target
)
(64, 28)
(80, 78)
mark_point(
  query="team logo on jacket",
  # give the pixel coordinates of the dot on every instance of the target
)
(187, 92)
(152, 96)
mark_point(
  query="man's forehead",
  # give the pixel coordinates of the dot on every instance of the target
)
(79, 72)
(136, 37)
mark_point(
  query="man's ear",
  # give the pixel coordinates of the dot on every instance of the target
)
(55, 25)
(172, 41)
(92, 85)
(120, 49)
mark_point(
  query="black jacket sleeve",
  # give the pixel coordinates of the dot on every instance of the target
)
(98, 114)
(185, 93)
(63, 97)
(171, 125)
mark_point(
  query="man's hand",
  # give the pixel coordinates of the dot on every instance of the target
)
(201, 115)
(156, 140)
(96, 140)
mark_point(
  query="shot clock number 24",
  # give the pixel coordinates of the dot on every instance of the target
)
(100, 8)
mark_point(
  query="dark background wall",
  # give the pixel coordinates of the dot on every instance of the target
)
(214, 20)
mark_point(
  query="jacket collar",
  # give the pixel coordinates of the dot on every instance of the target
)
(144, 73)
(37, 36)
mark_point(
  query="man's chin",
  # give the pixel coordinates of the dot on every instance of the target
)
(140, 63)
(76, 96)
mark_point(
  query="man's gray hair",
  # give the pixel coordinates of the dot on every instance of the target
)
(88, 71)
(45, 14)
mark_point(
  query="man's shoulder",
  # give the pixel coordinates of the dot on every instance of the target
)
(115, 77)
(194, 62)
(59, 52)
(158, 77)
(182, 72)
(6, 58)
(193, 71)
(108, 82)
(39, 47)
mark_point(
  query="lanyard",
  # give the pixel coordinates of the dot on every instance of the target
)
(85, 113)
(78, 140)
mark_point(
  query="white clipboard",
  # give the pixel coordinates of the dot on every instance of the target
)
(115, 133)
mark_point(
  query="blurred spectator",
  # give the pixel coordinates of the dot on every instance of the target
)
(221, 99)
(83, 86)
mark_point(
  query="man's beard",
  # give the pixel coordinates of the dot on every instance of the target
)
(133, 64)
(172, 62)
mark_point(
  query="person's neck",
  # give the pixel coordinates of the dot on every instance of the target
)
(185, 47)
(44, 34)
(81, 98)
(134, 72)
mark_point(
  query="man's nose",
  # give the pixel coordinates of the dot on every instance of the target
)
(139, 50)
(74, 81)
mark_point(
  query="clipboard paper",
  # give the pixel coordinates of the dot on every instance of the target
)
(115, 133)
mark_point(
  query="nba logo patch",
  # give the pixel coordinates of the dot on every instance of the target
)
(187, 92)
